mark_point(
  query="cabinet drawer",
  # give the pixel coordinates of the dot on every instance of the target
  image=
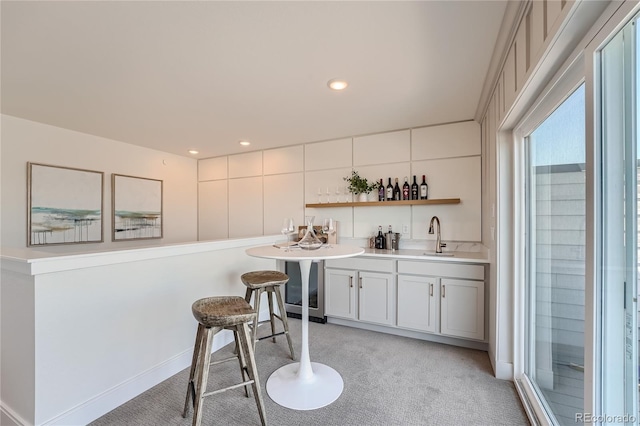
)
(361, 264)
(441, 269)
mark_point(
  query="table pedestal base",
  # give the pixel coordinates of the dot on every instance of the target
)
(321, 389)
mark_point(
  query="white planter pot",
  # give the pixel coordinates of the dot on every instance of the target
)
(362, 198)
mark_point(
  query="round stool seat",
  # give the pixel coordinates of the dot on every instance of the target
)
(222, 311)
(259, 279)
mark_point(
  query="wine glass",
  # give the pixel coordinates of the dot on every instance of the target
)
(328, 195)
(287, 229)
(338, 192)
(329, 228)
(319, 195)
(346, 194)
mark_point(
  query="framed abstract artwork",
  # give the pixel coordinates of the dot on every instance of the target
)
(64, 205)
(136, 205)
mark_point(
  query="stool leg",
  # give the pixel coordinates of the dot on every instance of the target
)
(191, 391)
(254, 335)
(247, 295)
(201, 387)
(271, 314)
(285, 323)
(241, 360)
(243, 331)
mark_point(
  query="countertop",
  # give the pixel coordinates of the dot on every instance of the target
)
(458, 256)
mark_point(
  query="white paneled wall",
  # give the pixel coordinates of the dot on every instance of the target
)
(249, 194)
(245, 207)
(213, 212)
(445, 141)
(389, 147)
(283, 160)
(283, 197)
(328, 155)
(245, 165)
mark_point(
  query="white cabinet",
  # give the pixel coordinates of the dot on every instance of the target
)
(375, 293)
(448, 299)
(417, 302)
(462, 308)
(340, 300)
(441, 298)
(374, 290)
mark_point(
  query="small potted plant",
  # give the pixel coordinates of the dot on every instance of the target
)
(359, 186)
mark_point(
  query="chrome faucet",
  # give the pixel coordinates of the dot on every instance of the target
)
(439, 243)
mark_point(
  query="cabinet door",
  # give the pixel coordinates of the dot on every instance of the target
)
(462, 308)
(417, 297)
(375, 295)
(340, 293)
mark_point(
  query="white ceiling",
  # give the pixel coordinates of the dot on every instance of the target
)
(202, 75)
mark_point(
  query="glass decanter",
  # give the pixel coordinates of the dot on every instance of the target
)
(310, 241)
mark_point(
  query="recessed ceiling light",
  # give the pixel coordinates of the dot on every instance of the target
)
(337, 84)
(193, 151)
(245, 143)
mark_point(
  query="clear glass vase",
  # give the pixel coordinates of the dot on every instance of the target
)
(310, 241)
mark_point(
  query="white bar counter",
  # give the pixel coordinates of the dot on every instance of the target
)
(83, 333)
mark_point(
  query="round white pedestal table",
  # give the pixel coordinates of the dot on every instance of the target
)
(305, 385)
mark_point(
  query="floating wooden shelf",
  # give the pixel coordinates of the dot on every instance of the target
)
(386, 203)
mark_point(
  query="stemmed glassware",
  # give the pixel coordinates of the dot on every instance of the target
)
(288, 229)
(329, 228)
(338, 192)
(328, 195)
(319, 195)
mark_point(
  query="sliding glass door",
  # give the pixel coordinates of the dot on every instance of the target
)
(555, 256)
(618, 236)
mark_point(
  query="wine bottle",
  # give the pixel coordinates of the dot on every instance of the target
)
(414, 189)
(380, 241)
(389, 191)
(397, 195)
(381, 192)
(405, 189)
(424, 189)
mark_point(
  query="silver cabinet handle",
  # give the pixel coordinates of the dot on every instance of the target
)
(360, 280)
(443, 291)
(351, 282)
(431, 289)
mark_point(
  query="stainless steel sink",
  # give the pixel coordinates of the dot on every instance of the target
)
(439, 254)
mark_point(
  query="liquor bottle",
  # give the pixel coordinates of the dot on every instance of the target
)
(380, 240)
(414, 189)
(424, 189)
(405, 189)
(397, 195)
(389, 191)
(381, 192)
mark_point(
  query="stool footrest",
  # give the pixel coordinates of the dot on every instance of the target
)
(220, 361)
(248, 382)
(273, 335)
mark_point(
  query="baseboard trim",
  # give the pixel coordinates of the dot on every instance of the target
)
(472, 344)
(8, 415)
(503, 370)
(112, 398)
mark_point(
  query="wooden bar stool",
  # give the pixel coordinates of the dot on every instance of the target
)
(213, 315)
(258, 282)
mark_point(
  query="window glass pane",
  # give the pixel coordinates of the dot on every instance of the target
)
(555, 208)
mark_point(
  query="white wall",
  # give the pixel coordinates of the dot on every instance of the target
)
(249, 194)
(82, 334)
(27, 141)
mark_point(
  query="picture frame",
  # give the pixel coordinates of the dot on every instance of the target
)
(64, 205)
(136, 208)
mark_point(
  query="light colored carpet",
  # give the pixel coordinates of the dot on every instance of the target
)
(388, 380)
